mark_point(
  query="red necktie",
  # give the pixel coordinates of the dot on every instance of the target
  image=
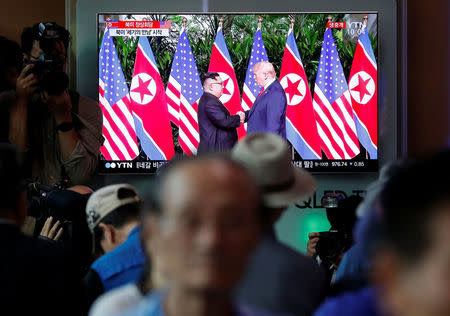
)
(260, 92)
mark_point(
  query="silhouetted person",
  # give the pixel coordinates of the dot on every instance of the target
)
(278, 278)
(36, 276)
(206, 224)
(411, 270)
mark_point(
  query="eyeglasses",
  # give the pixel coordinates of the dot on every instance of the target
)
(221, 83)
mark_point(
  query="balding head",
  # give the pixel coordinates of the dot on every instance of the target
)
(209, 223)
(197, 176)
(263, 73)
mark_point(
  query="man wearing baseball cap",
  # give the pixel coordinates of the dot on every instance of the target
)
(113, 218)
(278, 278)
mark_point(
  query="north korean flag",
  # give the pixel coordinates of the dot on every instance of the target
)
(363, 90)
(221, 63)
(149, 105)
(301, 128)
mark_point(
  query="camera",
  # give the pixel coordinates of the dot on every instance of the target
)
(341, 213)
(38, 195)
(49, 67)
(64, 205)
(332, 243)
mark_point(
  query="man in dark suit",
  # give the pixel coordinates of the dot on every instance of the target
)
(268, 113)
(278, 278)
(217, 126)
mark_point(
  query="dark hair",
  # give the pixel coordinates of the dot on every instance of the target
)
(10, 57)
(27, 39)
(29, 34)
(343, 217)
(408, 202)
(209, 75)
(119, 217)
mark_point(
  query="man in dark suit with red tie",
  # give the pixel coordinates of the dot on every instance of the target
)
(268, 113)
(217, 127)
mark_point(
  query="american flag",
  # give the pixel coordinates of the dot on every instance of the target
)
(183, 91)
(251, 89)
(332, 104)
(118, 124)
(165, 24)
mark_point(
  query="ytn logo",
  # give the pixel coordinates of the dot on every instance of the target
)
(119, 165)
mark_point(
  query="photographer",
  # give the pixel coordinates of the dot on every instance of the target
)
(60, 131)
(328, 247)
(36, 277)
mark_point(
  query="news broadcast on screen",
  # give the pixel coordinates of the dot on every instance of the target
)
(151, 65)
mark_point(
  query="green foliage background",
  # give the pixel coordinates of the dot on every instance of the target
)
(239, 31)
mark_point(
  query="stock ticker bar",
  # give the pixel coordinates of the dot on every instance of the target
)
(151, 166)
(337, 165)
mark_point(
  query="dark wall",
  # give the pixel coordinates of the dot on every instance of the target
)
(428, 76)
(16, 14)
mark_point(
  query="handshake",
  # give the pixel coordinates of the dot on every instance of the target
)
(241, 116)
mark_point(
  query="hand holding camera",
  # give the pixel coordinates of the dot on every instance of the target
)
(311, 245)
(26, 83)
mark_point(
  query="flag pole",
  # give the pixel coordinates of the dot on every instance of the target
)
(291, 28)
(330, 18)
(292, 24)
(184, 21)
(365, 19)
(221, 22)
(260, 22)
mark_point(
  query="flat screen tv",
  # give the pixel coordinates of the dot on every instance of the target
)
(151, 65)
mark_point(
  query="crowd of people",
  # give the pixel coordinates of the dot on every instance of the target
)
(201, 239)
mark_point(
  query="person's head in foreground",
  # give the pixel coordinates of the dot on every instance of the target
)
(413, 265)
(203, 226)
(267, 158)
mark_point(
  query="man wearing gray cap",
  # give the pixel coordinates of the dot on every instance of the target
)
(278, 278)
(113, 218)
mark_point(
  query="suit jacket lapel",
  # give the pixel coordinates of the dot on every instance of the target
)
(258, 99)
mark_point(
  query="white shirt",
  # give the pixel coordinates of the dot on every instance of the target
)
(116, 301)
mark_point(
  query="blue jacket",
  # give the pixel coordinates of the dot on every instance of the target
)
(361, 303)
(268, 113)
(281, 280)
(122, 265)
